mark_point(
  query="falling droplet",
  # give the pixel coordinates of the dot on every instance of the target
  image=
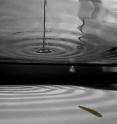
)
(72, 69)
(94, 112)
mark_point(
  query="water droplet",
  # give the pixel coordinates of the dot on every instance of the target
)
(72, 69)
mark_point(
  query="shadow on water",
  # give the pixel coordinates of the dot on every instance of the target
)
(86, 76)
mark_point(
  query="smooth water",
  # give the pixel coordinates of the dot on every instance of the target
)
(77, 31)
(56, 104)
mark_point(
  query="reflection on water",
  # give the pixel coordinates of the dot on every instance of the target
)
(79, 30)
(109, 69)
(55, 104)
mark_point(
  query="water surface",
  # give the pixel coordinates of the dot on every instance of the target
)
(50, 104)
(77, 31)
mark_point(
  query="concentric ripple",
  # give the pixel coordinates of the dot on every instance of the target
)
(55, 104)
(86, 48)
(28, 48)
(59, 49)
(75, 31)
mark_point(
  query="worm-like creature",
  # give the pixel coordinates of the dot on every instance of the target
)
(94, 112)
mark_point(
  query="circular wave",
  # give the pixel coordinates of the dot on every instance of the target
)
(60, 49)
(55, 104)
(57, 49)
(60, 46)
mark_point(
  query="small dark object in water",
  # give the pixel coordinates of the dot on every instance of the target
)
(91, 111)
